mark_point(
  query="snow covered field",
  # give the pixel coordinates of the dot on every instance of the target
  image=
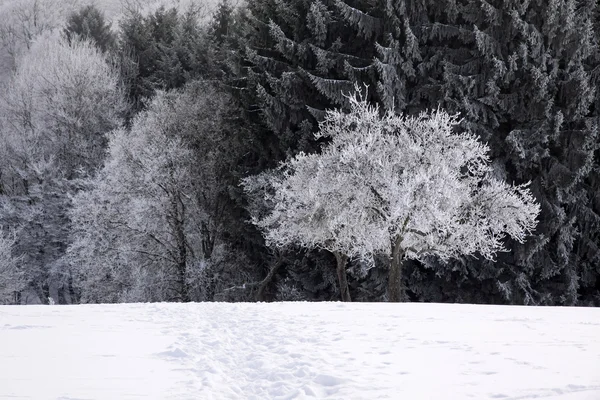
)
(299, 351)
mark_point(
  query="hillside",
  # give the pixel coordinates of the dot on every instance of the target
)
(299, 351)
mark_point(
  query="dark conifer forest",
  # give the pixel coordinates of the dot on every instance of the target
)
(143, 158)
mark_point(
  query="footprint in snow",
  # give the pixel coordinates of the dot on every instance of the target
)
(176, 353)
(328, 380)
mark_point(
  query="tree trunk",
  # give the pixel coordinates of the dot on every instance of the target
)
(182, 266)
(75, 298)
(44, 293)
(395, 285)
(208, 241)
(178, 215)
(17, 298)
(61, 295)
(342, 260)
(260, 295)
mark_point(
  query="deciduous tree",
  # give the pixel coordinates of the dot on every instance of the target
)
(407, 187)
(154, 214)
(59, 105)
(12, 278)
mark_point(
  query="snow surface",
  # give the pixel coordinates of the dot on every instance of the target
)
(299, 351)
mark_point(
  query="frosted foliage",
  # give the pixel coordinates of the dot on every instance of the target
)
(22, 21)
(59, 104)
(317, 20)
(392, 181)
(153, 216)
(132, 222)
(11, 277)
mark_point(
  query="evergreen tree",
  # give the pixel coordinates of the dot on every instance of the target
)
(222, 22)
(89, 23)
(520, 74)
(297, 54)
(163, 50)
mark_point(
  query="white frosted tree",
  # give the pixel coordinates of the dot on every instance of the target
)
(54, 115)
(406, 187)
(136, 217)
(12, 278)
(59, 104)
(154, 211)
(24, 21)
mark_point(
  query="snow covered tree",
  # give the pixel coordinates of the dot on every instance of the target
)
(154, 214)
(406, 187)
(89, 23)
(23, 21)
(137, 213)
(161, 51)
(12, 279)
(60, 103)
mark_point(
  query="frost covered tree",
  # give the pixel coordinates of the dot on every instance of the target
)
(406, 187)
(89, 23)
(154, 213)
(12, 278)
(61, 101)
(133, 227)
(22, 22)
(161, 50)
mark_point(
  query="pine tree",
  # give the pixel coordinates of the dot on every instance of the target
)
(89, 23)
(301, 58)
(161, 51)
(222, 22)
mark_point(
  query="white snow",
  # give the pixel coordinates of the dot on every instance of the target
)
(299, 351)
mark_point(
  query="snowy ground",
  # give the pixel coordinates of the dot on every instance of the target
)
(299, 351)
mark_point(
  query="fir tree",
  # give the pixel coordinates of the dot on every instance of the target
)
(163, 50)
(222, 22)
(89, 23)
